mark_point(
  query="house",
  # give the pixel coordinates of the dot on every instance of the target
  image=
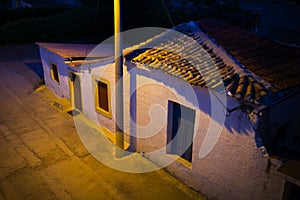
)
(277, 64)
(218, 101)
(278, 20)
(283, 29)
(59, 76)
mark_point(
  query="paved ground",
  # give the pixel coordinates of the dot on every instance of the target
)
(41, 156)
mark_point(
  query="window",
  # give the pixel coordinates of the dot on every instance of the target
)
(287, 141)
(54, 73)
(180, 131)
(103, 98)
(291, 191)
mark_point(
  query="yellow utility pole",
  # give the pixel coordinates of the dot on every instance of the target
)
(119, 79)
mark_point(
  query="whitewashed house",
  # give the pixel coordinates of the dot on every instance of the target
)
(59, 76)
(243, 148)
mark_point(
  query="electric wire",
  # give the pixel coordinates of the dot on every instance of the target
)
(167, 11)
(96, 13)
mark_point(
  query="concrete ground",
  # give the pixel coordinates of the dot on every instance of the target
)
(41, 155)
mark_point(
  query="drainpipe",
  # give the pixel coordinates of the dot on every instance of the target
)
(119, 111)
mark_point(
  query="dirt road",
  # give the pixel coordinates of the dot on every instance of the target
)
(41, 155)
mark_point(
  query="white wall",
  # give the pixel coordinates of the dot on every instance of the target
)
(60, 89)
(234, 169)
(88, 84)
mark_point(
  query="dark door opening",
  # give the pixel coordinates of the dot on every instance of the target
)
(76, 91)
(180, 130)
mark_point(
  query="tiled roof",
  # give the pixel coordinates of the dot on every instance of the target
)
(203, 65)
(68, 50)
(275, 63)
(77, 54)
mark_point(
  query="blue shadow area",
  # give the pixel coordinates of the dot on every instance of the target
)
(37, 68)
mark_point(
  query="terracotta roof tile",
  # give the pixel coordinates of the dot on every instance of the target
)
(201, 66)
(68, 50)
(77, 54)
(275, 63)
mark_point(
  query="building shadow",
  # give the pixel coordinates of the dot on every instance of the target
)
(37, 68)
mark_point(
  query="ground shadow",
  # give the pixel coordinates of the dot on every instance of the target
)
(37, 67)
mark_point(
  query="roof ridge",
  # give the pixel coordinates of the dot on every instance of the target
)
(205, 64)
(259, 55)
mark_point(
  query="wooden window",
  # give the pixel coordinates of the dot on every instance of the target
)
(103, 98)
(54, 73)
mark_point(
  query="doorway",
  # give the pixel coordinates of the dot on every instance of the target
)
(180, 130)
(75, 91)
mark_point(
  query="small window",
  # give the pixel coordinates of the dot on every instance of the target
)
(291, 191)
(103, 98)
(54, 73)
